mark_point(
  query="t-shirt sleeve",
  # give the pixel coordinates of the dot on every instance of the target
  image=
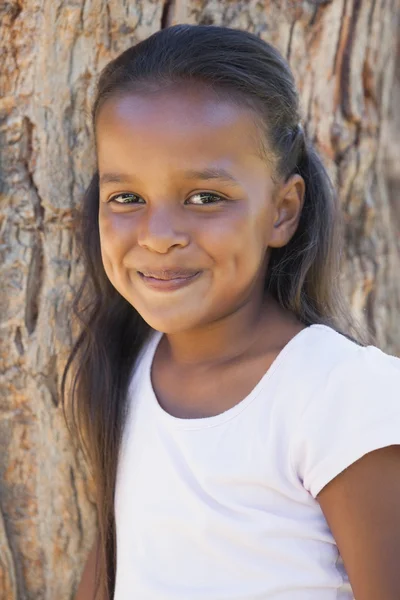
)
(355, 412)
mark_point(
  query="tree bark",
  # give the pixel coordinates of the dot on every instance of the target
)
(343, 57)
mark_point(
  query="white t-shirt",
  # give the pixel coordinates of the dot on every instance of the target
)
(224, 508)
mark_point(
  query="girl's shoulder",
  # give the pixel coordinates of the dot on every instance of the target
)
(352, 408)
(349, 378)
(347, 361)
(328, 354)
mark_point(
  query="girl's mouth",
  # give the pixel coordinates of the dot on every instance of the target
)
(167, 280)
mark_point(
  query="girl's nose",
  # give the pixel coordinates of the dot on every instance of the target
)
(160, 231)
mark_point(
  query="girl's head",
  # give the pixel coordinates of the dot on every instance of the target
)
(185, 190)
(204, 171)
(203, 167)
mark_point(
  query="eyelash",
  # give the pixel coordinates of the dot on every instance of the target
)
(209, 194)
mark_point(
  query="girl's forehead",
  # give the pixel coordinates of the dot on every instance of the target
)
(176, 120)
(194, 100)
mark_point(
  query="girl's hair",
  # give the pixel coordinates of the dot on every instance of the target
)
(303, 276)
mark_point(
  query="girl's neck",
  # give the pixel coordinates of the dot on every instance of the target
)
(225, 340)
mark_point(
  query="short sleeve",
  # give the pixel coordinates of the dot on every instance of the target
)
(355, 412)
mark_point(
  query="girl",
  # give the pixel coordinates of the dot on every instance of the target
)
(243, 437)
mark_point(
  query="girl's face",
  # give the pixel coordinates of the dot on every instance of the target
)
(187, 206)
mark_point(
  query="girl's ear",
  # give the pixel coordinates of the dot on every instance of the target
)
(288, 206)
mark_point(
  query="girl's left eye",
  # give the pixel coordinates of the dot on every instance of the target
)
(202, 198)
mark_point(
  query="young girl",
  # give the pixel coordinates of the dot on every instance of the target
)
(243, 438)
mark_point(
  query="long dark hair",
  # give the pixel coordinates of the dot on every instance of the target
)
(303, 276)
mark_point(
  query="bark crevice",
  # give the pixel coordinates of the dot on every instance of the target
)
(34, 286)
(167, 13)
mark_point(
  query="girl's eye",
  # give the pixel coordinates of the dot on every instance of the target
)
(199, 199)
(203, 198)
(126, 198)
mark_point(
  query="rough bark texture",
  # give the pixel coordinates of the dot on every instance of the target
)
(343, 56)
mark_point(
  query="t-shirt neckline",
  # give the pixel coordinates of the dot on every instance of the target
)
(207, 422)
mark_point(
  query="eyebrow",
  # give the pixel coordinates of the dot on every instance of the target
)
(114, 178)
(211, 173)
(207, 174)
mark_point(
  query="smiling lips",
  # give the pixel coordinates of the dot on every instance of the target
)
(167, 279)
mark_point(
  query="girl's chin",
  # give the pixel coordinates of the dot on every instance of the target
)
(169, 327)
(172, 323)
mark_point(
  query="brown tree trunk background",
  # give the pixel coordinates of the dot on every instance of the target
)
(343, 56)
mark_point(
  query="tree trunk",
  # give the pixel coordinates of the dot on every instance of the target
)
(342, 54)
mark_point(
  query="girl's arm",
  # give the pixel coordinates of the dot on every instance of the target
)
(362, 508)
(86, 589)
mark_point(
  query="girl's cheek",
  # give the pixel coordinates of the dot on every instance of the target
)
(116, 232)
(230, 232)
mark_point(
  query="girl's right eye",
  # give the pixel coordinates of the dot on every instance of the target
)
(125, 199)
